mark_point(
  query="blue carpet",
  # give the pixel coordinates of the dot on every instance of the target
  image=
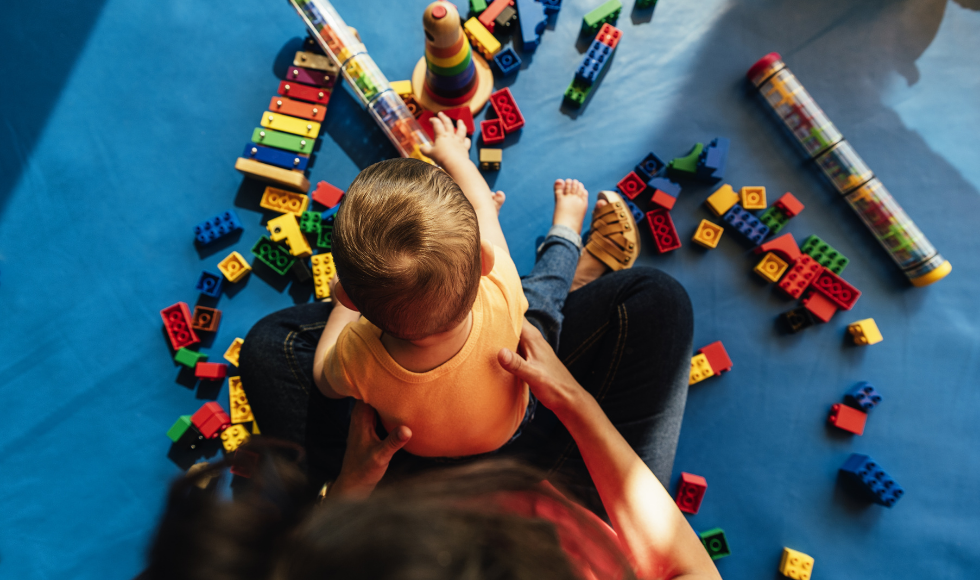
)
(121, 122)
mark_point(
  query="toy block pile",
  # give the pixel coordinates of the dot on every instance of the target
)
(593, 64)
(490, 23)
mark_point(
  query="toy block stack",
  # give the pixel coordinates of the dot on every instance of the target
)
(709, 361)
(593, 63)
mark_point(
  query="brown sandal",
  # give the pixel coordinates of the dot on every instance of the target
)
(614, 239)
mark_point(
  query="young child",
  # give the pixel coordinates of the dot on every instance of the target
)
(420, 253)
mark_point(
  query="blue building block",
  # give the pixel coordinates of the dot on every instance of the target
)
(638, 214)
(665, 185)
(209, 284)
(868, 476)
(533, 19)
(551, 6)
(593, 62)
(650, 166)
(863, 396)
(746, 224)
(712, 161)
(507, 61)
(217, 227)
(327, 216)
(277, 157)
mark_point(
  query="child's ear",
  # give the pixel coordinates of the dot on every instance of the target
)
(486, 257)
(341, 296)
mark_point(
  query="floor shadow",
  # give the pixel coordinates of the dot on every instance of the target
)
(355, 132)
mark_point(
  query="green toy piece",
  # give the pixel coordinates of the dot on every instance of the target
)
(774, 219)
(478, 6)
(687, 165)
(294, 143)
(824, 254)
(606, 13)
(189, 358)
(644, 4)
(324, 238)
(310, 222)
(273, 255)
(179, 428)
(576, 93)
(715, 543)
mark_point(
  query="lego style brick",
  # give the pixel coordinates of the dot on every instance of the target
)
(867, 475)
(480, 38)
(402, 88)
(649, 167)
(664, 200)
(284, 201)
(210, 420)
(412, 105)
(753, 197)
(637, 213)
(184, 434)
(576, 94)
(234, 350)
(211, 371)
(327, 195)
(490, 159)
(746, 224)
(189, 358)
(241, 411)
(717, 357)
(272, 174)
(690, 492)
(825, 254)
(206, 319)
(504, 20)
(847, 418)
(863, 395)
(323, 272)
(789, 205)
(492, 131)
(771, 268)
(644, 4)
(233, 437)
(774, 219)
(795, 565)
(605, 13)
(686, 166)
(317, 62)
(309, 76)
(551, 6)
(864, 331)
(304, 93)
(234, 267)
(631, 185)
(277, 157)
(784, 246)
(255, 428)
(177, 322)
(287, 124)
(488, 17)
(456, 114)
(300, 109)
(532, 19)
(324, 238)
(273, 256)
(722, 200)
(797, 319)
(310, 222)
(713, 159)
(506, 108)
(715, 543)
(708, 234)
(209, 284)
(285, 228)
(609, 35)
(836, 289)
(217, 227)
(593, 63)
(663, 230)
(700, 369)
(797, 280)
(665, 185)
(507, 62)
(819, 306)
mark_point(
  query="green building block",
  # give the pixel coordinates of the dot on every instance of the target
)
(644, 4)
(607, 12)
(179, 428)
(273, 256)
(824, 254)
(687, 165)
(279, 140)
(189, 358)
(477, 6)
(310, 222)
(324, 238)
(715, 543)
(576, 93)
(774, 219)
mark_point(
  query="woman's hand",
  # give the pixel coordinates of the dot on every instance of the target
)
(451, 144)
(541, 369)
(367, 456)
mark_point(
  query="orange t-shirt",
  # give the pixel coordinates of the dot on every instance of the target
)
(465, 406)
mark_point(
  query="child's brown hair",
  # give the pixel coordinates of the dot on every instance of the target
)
(406, 244)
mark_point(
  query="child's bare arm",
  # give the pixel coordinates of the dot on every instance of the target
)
(340, 317)
(452, 152)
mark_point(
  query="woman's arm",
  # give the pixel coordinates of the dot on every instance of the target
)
(652, 528)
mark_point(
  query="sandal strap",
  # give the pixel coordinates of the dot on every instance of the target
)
(614, 240)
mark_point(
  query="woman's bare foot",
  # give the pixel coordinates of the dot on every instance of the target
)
(589, 267)
(571, 203)
(498, 199)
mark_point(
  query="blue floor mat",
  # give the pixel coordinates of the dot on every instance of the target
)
(121, 122)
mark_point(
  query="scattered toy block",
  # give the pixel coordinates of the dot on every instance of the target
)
(488, 17)
(477, 6)
(277, 157)
(650, 166)
(209, 284)
(660, 183)
(631, 185)
(507, 62)
(717, 357)
(206, 319)
(819, 306)
(700, 369)
(189, 358)
(233, 437)
(847, 418)
(210, 420)
(234, 350)
(789, 205)
(234, 267)
(327, 195)
(771, 268)
(492, 131)
(576, 94)
(593, 63)
(797, 280)
(686, 166)
(868, 476)
(217, 227)
(708, 234)
(722, 200)
(241, 411)
(774, 219)
(412, 105)
(490, 159)
(864, 331)
(690, 492)
(481, 39)
(638, 214)
(301, 270)
(644, 4)
(551, 6)
(605, 13)
(461, 114)
(715, 543)
(184, 433)
(255, 428)
(753, 197)
(324, 238)
(273, 256)
(210, 371)
(784, 246)
(304, 93)
(310, 222)
(503, 21)
(663, 230)
(323, 272)
(272, 174)
(664, 200)
(286, 228)
(713, 159)
(317, 62)
(825, 254)
(795, 565)
(797, 319)
(533, 20)
(864, 396)
(609, 35)
(402, 88)
(836, 289)
(505, 106)
(746, 224)
(283, 201)
(177, 322)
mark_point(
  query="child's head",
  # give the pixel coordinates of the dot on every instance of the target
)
(407, 248)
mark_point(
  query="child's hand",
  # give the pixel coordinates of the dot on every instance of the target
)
(450, 145)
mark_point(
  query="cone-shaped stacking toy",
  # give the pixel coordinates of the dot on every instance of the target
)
(451, 74)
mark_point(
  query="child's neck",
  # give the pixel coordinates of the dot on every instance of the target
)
(425, 354)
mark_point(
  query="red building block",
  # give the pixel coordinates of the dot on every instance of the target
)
(819, 306)
(663, 230)
(847, 418)
(664, 200)
(462, 114)
(631, 185)
(206, 319)
(506, 108)
(211, 371)
(489, 16)
(211, 420)
(609, 35)
(690, 492)
(789, 205)
(784, 246)
(717, 357)
(492, 131)
(836, 289)
(177, 320)
(804, 270)
(327, 195)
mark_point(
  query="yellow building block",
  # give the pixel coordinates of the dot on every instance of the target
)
(284, 201)
(483, 42)
(323, 271)
(234, 267)
(285, 227)
(772, 267)
(490, 159)
(722, 200)
(234, 350)
(233, 437)
(753, 197)
(241, 411)
(795, 565)
(865, 331)
(708, 234)
(287, 124)
(292, 178)
(402, 87)
(255, 428)
(700, 369)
